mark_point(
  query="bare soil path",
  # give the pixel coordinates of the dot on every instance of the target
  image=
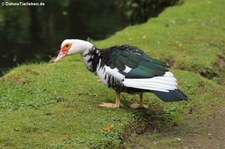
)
(209, 134)
(196, 134)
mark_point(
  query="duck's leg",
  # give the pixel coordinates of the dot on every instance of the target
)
(117, 103)
(141, 105)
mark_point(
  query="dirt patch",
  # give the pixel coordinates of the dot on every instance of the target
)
(196, 134)
(208, 134)
(148, 120)
(219, 67)
(170, 61)
(221, 63)
(23, 77)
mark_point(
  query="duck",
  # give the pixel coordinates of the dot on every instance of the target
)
(125, 68)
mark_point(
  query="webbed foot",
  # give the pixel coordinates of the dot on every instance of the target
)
(110, 105)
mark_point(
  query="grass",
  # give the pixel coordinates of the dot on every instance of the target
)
(55, 105)
(32, 111)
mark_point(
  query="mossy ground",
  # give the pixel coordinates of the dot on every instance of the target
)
(55, 105)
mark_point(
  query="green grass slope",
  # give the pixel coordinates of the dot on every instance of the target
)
(55, 105)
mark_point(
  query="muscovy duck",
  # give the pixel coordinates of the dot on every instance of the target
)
(125, 69)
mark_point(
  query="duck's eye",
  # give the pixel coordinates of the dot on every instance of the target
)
(67, 45)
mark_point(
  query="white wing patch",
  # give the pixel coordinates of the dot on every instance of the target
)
(114, 72)
(127, 69)
(161, 83)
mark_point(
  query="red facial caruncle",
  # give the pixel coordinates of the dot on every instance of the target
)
(63, 51)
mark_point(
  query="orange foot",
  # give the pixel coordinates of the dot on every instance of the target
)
(110, 105)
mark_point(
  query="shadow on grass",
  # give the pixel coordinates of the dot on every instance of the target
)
(153, 119)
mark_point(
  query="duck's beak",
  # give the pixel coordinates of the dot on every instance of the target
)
(60, 56)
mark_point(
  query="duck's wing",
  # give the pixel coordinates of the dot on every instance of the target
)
(133, 63)
(143, 72)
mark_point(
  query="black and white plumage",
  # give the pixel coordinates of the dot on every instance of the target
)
(126, 69)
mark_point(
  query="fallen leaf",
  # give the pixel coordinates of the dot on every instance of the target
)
(107, 128)
(66, 137)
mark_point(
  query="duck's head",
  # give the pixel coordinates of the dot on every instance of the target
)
(73, 46)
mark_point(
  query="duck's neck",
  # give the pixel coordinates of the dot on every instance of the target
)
(91, 58)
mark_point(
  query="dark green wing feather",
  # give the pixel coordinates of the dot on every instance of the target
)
(142, 66)
(172, 95)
